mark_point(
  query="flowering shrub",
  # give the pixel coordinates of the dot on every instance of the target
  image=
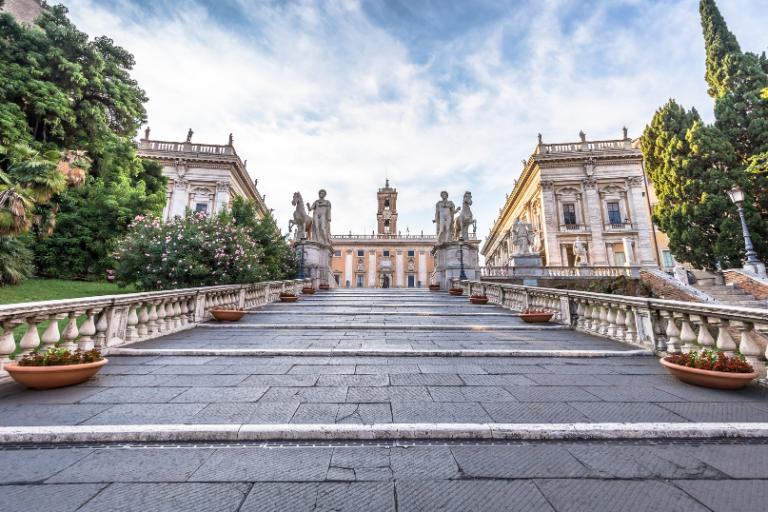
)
(194, 250)
(57, 356)
(710, 360)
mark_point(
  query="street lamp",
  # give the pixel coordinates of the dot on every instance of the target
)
(737, 195)
(301, 259)
(462, 274)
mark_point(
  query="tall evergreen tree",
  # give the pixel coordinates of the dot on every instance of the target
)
(692, 165)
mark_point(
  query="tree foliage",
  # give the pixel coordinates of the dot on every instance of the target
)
(15, 260)
(692, 165)
(68, 105)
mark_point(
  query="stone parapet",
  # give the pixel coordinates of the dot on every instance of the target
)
(667, 287)
(755, 285)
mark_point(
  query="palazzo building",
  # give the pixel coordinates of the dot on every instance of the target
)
(201, 177)
(592, 191)
(25, 11)
(386, 258)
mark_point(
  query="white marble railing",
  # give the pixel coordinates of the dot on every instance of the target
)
(114, 320)
(511, 271)
(661, 325)
(597, 145)
(185, 147)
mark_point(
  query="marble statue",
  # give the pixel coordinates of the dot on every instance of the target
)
(465, 219)
(301, 219)
(580, 253)
(189, 135)
(444, 212)
(523, 238)
(321, 219)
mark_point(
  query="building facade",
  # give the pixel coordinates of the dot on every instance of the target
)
(595, 192)
(25, 11)
(201, 177)
(387, 258)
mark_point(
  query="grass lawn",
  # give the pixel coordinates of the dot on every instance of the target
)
(33, 290)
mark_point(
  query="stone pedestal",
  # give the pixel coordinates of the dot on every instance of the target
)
(448, 262)
(315, 259)
(756, 268)
(527, 264)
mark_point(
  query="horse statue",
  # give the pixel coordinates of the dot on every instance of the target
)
(464, 219)
(301, 219)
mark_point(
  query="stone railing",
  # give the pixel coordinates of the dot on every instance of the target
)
(114, 320)
(661, 325)
(511, 271)
(597, 145)
(185, 147)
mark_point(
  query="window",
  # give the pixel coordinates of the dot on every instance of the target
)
(411, 281)
(359, 282)
(385, 253)
(569, 214)
(411, 254)
(669, 261)
(386, 204)
(201, 207)
(614, 213)
(386, 226)
(360, 253)
(337, 254)
(618, 259)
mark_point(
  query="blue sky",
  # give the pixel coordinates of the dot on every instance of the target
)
(436, 94)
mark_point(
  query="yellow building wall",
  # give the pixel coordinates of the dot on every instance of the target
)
(423, 263)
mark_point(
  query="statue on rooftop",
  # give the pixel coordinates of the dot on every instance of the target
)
(189, 135)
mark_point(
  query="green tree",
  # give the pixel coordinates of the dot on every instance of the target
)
(692, 165)
(15, 260)
(277, 260)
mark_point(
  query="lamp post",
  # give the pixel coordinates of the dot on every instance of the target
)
(301, 259)
(753, 264)
(462, 274)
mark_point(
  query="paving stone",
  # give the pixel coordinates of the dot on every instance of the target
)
(554, 412)
(425, 379)
(136, 465)
(727, 495)
(469, 496)
(470, 394)
(496, 380)
(463, 369)
(546, 379)
(315, 413)
(362, 369)
(699, 394)
(136, 497)
(233, 412)
(746, 461)
(135, 395)
(438, 412)
(518, 461)
(214, 395)
(740, 412)
(282, 464)
(190, 369)
(327, 394)
(353, 380)
(631, 394)
(258, 381)
(364, 414)
(205, 380)
(132, 414)
(127, 380)
(130, 360)
(421, 462)
(31, 466)
(183, 360)
(46, 498)
(551, 394)
(626, 412)
(321, 497)
(387, 394)
(68, 395)
(49, 414)
(365, 463)
(585, 495)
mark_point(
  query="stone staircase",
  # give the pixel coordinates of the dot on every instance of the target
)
(726, 293)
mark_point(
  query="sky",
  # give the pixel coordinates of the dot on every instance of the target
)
(433, 94)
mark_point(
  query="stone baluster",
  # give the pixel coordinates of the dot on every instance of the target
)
(132, 322)
(71, 331)
(630, 326)
(687, 335)
(602, 326)
(749, 347)
(724, 340)
(87, 330)
(7, 340)
(610, 319)
(51, 335)
(580, 312)
(184, 312)
(152, 326)
(102, 324)
(142, 310)
(176, 314)
(162, 325)
(704, 338)
(620, 321)
(672, 333)
(31, 339)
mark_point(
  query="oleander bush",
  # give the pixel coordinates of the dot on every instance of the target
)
(58, 356)
(194, 250)
(710, 360)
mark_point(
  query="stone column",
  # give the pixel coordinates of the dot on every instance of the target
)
(222, 196)
(399, 275)
(372, 269)
(594, 209)
(629, 253)
(422, 268)
(179, 199)
(642, 222)
(348, 275)
(550, 225)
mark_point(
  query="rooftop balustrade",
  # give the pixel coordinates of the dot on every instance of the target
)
(186, 147)
(661, 325)
(516, 271)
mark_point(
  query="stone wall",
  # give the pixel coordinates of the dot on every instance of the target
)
(666, 287)
(754, 285)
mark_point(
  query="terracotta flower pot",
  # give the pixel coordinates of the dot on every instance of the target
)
(709, 378)
(478, 300)
(308, 290)
(288, 298)
(49, 377)
(434, 287)
(456, 292)
(536, 318)
(325, 287)
(227, 315)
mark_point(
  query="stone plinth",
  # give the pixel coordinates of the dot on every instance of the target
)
(448, 261)
(530, 263)
(315, 259)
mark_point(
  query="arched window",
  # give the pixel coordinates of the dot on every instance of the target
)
(386, 204)
(386, 226)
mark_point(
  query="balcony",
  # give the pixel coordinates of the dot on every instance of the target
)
(574, 227)
(619, 226)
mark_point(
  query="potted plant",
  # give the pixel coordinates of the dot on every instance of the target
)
(456, 292)
(536, 316)
(434, 287)
(227, 315)
(56, 367)
(710, 369)
(308, 290)
(288, 297)
(478, 298)
(325, 286)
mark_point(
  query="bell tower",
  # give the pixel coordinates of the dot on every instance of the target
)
(386, 217)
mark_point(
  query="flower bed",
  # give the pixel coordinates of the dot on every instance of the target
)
(56, 367)
(536, 316)
(478, 298)
(710, 369)
(456, 292)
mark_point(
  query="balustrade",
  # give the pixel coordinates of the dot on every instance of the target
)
(114, 320)
(660, 325)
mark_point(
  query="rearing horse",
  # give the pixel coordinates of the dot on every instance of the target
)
(301, 220)
(464, 219)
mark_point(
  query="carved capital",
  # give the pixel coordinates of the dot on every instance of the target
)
(590, 183)
(547, 185)
(222, 186)
(635, 181)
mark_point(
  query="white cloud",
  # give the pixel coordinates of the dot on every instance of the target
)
(319, 96)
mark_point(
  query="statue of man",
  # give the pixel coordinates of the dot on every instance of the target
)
(580, 253)
(444, 212)
(522, 240)
(189, 135)
(321, 219)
